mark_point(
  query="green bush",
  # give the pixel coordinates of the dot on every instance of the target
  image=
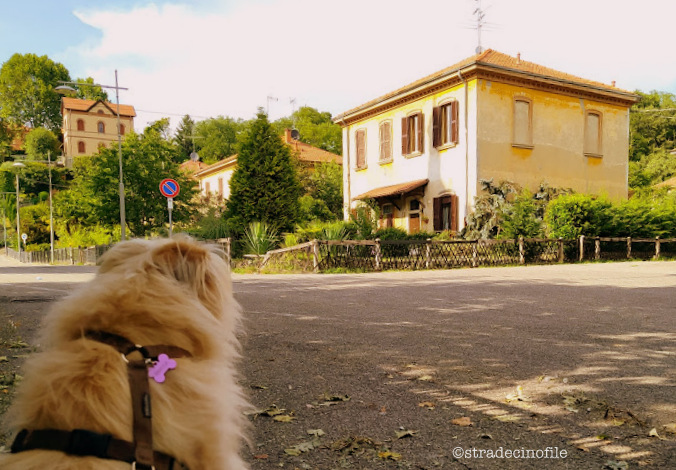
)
(646, 216)
(520, 218)
(259, 238)
(391, 233)
(572, 215)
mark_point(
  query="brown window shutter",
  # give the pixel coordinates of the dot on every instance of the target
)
(436, 126)
(454, 128)
(404, 136)
(437, 213)
(361, 148)
(454, 213)
(421, 132)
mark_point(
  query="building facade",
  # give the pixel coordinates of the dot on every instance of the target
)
(89, 125)
(422, 150)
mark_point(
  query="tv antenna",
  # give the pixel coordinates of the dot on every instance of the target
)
(270, 98)
(480, 15)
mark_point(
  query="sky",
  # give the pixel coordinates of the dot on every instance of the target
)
(229, 57)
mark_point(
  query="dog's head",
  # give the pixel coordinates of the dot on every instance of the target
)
(155, 291)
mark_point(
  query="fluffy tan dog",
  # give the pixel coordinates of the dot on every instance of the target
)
(172, 292)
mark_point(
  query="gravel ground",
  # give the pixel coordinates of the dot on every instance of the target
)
(439, 369)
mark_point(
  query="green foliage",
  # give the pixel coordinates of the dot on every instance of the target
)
(489, 207)
(652, 124)
(652, 169)
(265, 186)
(363, 221)
(6, 137)
(311, 209)
(148, 158)
(90, 235)
(260, 238)
(39, 141)
(211, 225)
(27, 95)
(572, 215)
(184, 139)
(217, 138)
(325, 183)
(316, 128)
(645, 216)
(90, 92)
(34, 222)
(521, 218)
(316, 230)
(391, 233)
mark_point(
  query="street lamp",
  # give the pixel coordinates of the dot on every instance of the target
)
(51, 207)
(64, 89)
(18, 166)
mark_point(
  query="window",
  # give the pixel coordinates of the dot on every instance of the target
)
(100, 111)
(445, 124)
(412, 133)
(386, 141)
(80, 125)
(361, 149)
(80, 147)
(207, 188)
(592, 133)
(101, 127)
(387, 219)
(122, 129)
(522, 131)
(446, 213)
(220, 188)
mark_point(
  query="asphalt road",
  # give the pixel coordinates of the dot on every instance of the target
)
(574, 358)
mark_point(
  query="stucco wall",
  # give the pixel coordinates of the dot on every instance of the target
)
(557, 156)
(90, 136)
(213, 178)
(445, 168)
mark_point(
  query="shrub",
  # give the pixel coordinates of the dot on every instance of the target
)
(572, 215)
(259, 238)
(520, 219)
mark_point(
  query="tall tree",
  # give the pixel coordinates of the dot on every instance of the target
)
(265, 186)
(184, 138)
(148, 158)
(217, 137)
(90, 92)
(652, 124)
(39, 141)
(6, 137)
(27, 95)
(315, 128)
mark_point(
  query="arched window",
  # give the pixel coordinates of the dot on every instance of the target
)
(122, 129)
(80, 147)
(80, 125)
(101, 127)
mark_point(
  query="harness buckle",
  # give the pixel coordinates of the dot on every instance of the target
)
(141, 466)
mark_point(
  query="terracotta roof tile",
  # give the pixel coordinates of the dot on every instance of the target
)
(76, 104)
(492, 58)
(393, 190)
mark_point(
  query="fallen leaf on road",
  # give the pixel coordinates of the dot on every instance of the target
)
(653, 433)
(316, 432)
(283, 418)
(614, 465)
(405, 433)
(388, 455)
(670, 428)
(261, 456)
(427, 404)
(464, 421)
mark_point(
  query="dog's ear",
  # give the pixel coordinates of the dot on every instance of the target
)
(182, 259)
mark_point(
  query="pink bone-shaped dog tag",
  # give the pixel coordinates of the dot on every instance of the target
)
(160, 368)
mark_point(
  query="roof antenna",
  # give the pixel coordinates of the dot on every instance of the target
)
(480, 22)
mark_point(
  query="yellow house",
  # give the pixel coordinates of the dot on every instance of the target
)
(89, 125)
(420, 151)
(215, 179)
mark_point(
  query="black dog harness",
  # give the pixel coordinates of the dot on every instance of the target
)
(140, 453)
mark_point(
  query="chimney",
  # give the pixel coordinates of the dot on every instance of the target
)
(612, 83)
(287, 136)
(518, 58)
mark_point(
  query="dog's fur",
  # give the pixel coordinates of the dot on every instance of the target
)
(170, 291)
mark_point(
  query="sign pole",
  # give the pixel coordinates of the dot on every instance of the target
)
(170, 206)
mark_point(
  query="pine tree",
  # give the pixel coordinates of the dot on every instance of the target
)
(265, 185)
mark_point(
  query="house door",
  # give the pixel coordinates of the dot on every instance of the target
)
(414, 223)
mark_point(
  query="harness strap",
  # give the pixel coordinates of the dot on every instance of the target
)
(85, 443)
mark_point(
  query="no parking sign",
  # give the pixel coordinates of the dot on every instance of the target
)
(170, 189)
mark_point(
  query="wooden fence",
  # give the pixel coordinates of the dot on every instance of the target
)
(378, 255)
(80, 255)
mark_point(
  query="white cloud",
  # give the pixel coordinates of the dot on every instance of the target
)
(336, 55)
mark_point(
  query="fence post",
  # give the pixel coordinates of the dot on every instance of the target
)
(70, 255)
(475, 253)
(628, 247)
(597, 248)
(657, 247)
(560, 250)
(315, 255)
(378, 255)
(522, 256)
(581, 247)
(428, 253)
